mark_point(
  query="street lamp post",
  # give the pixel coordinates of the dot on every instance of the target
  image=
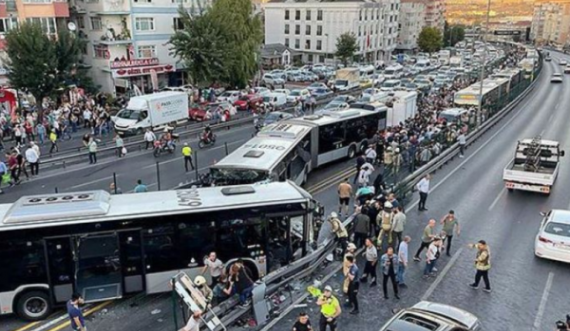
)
(483, 62)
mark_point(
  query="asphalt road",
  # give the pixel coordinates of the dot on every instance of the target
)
(528, 293)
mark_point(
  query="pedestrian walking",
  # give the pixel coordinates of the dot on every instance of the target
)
(92, 147)
(33, 160)
(371, 256)
(339, 229)
(353, 284)
(350, 251)
(21, 163)
(462, 141)
(370, 155)
(403, 261)
(398, 223)
(389, 265)
(432, 255)
(423, 188)
(361, 226)
(482, 265)
(149, 138)
(187, 153)
(360, 161)
(140, 188)
(364, 174)
(450, 223)
(302, 323)
(215, 266)
(330, 310)
(53, 140)
(113, 189)
(193, 323)
(13, 166)
(427, 236)
(119, 145)
(344, 195)
(41, 131)
(3, 172)
(74, 312)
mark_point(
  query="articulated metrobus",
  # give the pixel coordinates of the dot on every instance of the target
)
(493, 90)
(292, 148)
(105, 247)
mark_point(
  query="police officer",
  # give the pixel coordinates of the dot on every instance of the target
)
(330, 310)
(187, 152)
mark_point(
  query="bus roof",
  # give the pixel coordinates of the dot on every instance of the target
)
(46, 210)
(329, 117)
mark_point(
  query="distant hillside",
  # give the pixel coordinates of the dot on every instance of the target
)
(473, 11)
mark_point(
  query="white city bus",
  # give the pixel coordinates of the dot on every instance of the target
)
(290, 149)
(493, 90)
(106, 247)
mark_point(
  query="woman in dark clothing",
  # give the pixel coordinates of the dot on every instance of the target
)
(243, 285)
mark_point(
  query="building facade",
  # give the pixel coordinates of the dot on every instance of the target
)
(391, 20)
(128, 41)
(412, 21)
(51, 15)
(435, 14)
(311, 28)
(551, 23)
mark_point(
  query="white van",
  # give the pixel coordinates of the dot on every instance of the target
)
(277, 100)
(394, 72)
(451, 115)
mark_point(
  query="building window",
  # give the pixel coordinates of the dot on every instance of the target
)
(286, 28)
(297, 14)
(7, 24)
(144, 24)
(308, 30)
(365, 14)
(360, 16)
(307, 44)
(146, 52)
(359, 31)
(319, 15)
(47, 23)
(321, 59)
(319, 30)
(310, 57)
(177, 24)
(96, 24)
(308, 15)
(286, 42)
(287, 14)
(297, 29)
(319, 45)
(297, 44)
(101, 52)
(80, 22)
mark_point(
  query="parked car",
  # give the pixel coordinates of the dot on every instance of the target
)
(275, 116)
(248, 101)
(298, 94)
(294, 76)
(321, 93)
(553, 238)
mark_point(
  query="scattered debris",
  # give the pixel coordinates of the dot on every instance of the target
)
(156, 311)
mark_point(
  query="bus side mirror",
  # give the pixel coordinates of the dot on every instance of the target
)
(562, 153)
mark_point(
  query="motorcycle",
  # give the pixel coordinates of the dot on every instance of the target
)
(204, 142)
(160, 147)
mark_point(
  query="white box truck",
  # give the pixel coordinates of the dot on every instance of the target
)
(347, 79)
(152, 111)
(404, 106)
(535, 166)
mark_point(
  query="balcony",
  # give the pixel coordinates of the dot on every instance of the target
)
(117, 32)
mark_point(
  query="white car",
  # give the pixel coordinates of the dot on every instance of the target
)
(556, 78)
(261, 90)
(562, 63)
(553, 239)
(282, 90)
(229, 96)
(567, 69)
(298, 94)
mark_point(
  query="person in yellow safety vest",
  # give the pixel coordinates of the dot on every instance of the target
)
(330, 309)
(202, 285)
(187, 152)
(53, 139)
(482, 264)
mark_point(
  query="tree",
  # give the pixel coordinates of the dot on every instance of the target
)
(346, 47)
(429, 40)
(41, 64)
(221, 45)
(453, 34)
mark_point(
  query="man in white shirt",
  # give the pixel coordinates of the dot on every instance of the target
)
(370, 155)
(403, 260)
(462, 140)
(33, 159)
(423, 188)
(193, 322)
(149, 138)
(431, 257)
(364, 175)
(215, 266)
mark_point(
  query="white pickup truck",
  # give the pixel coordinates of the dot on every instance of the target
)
(535, 166)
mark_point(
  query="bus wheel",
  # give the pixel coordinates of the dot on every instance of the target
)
(33, 306)
(351, 152)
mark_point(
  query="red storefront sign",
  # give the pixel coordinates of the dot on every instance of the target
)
(139, 71)
(134, 63)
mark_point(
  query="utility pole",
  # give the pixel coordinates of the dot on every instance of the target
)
(483, 61)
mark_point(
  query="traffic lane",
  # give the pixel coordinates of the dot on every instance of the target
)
(135, 165)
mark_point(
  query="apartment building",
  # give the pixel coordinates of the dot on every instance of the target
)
(128, 41)
(312, 27)
(435, 14)
(412, 21)
(551, 23)
(391, 19)
(51, 15)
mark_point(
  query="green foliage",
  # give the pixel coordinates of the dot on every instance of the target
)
(346, 47)
(44, 65)
(453, 34)
(221, 45)
(429, 40)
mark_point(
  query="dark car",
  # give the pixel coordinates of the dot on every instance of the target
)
(249, 101)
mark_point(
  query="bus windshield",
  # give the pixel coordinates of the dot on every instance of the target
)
(224, 176)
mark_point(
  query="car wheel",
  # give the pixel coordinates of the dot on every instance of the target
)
(33, 306)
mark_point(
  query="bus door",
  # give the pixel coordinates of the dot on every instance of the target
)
(60, 267)
(132, 263)
(98, 270)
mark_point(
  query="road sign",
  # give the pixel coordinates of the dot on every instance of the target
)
(507, 32)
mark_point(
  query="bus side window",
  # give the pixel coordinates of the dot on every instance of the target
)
(196, 240)
(159, 246)
(23, 262)
(330, 136)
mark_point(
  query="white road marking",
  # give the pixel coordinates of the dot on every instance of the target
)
(441, 276)
(497, 198)
(93, 181)
(50, 323)
(542, 306)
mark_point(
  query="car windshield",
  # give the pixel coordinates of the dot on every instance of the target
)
(267, 99)
(447, 117)
(558, 229)
(226, 94)
(129, 114)
(390, 84)
(421, 81)
(273, 117)
(333, 105)
(295, 93)
(224, 177)
(315, 85)
(320, 91)
(390, 71)
(341, 82)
